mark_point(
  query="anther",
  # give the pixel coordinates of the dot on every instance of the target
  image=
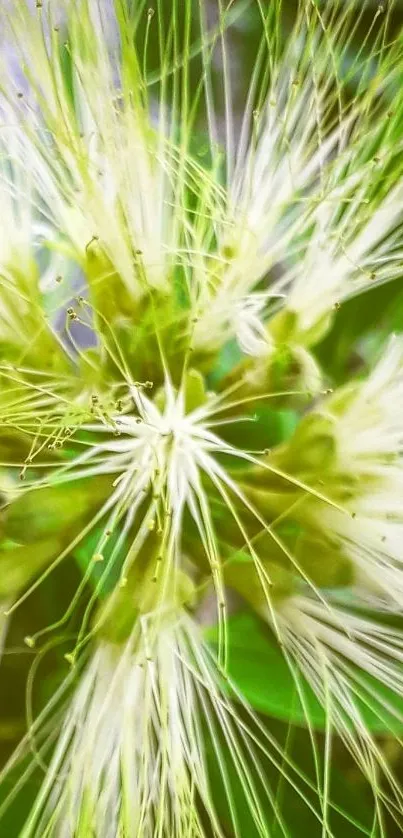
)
(71, 314)
(93, 240)
(29, 641)
(70, 658)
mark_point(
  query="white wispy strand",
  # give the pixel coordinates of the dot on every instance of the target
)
(130, 755)
(19, 222)
(272, 170)
(22, 234)
(348, 660)
(134, 751)
(83, 170)
(369, 436)
(370, 428)
(300, 199)
(337, 265)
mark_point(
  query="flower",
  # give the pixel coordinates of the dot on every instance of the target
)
(366, 474)
(148, 716)
(136, 441)
(129, 756)
(311, 212)
(348, 659)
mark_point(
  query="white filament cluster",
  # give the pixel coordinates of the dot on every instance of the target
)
(129, 758)
(369, 443)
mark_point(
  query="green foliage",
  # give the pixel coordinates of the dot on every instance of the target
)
(271, 685)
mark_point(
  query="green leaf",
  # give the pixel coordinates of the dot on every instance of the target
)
(259, 670)
(21, 563)
(268, 427)
(359, 328)
(54, 510)
(277, 425)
